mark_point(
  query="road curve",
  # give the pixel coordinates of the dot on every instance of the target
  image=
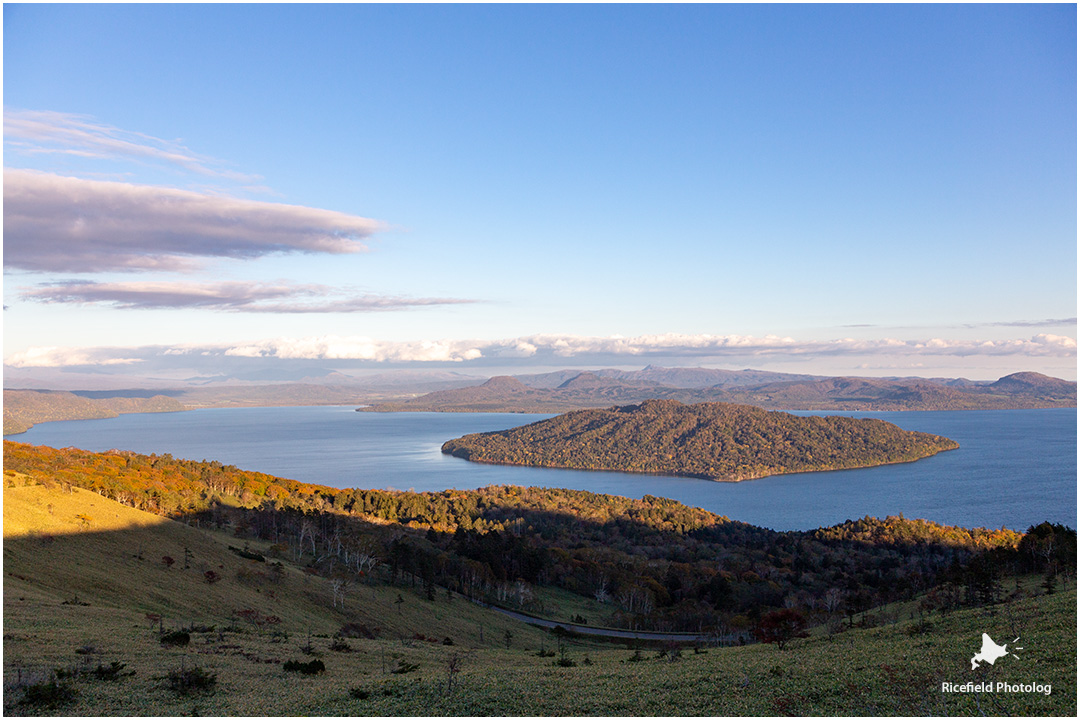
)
(614, 633)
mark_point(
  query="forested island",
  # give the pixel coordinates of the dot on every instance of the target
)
(714, 441)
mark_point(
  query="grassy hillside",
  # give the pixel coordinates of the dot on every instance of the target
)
(82, 573)
(24, 408)
(717, 441)
(62, 544)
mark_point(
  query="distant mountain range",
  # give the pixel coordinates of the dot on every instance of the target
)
(553, 392)
(669, 377)
(767, 390)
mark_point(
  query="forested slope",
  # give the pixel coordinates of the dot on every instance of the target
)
(651, 563)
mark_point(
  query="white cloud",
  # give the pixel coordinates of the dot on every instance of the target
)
(259, 297)
(539, 348)
(50, 357)
(64, 224)
(38, 132)
(334, 347)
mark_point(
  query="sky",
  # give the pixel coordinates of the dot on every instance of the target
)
(207, 190)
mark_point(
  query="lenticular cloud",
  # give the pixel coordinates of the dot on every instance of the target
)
(63, 224)
(255, 297)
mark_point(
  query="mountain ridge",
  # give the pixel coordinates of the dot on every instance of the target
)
(597, 389)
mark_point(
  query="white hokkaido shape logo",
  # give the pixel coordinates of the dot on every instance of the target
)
(991, 651)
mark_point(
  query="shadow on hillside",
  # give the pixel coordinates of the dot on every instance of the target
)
(646, 564)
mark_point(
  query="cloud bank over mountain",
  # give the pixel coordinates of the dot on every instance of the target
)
(357, 350)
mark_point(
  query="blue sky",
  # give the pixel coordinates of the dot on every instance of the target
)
(873, 190)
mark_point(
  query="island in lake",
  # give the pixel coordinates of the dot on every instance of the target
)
(714, 441)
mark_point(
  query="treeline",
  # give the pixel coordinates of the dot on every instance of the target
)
(717, 441)
(650, 563)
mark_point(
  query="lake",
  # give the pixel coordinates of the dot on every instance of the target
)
(1014, 468)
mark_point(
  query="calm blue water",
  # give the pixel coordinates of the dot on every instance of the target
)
(1014, 468)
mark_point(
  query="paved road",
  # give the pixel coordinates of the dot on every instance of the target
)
(613, 632)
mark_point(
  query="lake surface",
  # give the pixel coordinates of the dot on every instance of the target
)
(1014, 468)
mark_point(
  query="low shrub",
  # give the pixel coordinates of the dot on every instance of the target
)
(49, 694)
(248, 554)
(309, 668)
(176, 638)
(114, 671)
(340, 645)
(356, 630)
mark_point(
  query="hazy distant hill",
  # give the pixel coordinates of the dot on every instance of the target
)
(552, 393)
(603, 388)
(1036, 384)
(507, 394)
(716, 441)
(499, 394)
(1021, 390)
(670, 377)
(703, 377)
